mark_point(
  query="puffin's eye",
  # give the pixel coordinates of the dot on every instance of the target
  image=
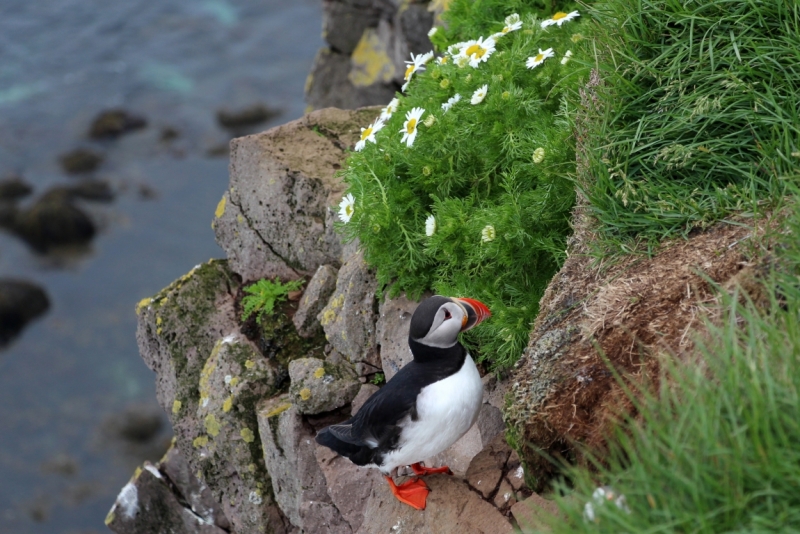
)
(447, 314)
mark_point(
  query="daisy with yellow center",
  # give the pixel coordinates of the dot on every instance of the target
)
(488, 233)
(560, 18)
(430, 225)
(390, 108)
(478, 51)
(513, 23)
(442, 60)
(346, 208)
(368, 134)
(539, 58)
(479, 95)
(417, 63)
(409, 129)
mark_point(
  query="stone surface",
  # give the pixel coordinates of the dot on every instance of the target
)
(147, 504)
(505, 497)
(344, 23)
(452, 508)
(329, 84)
(276, 219)
(530, 513)
(366, 391)
(394, 317)
(297, 481)
(486, 469)
(208, 377)
(321, 386)
(20, 303)
(349, 486)
(489, 423)
(314, 299)
(349, 318)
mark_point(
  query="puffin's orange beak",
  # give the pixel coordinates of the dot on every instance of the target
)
(477, 311)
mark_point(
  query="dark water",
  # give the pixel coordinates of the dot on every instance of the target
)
(174, 62)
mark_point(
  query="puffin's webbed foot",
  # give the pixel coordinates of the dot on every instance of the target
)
(413, 492)
(419, 470)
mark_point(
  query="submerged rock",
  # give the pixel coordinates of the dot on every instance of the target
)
(113, 123)
(53, 220)
(20, 303)
(80, 160)
(13, 188)
(245, 117)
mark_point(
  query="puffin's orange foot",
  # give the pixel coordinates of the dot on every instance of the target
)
(419, 470)
(413, 492)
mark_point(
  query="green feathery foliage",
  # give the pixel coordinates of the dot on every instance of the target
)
(479, 204)
(699, 114)
(263, 295)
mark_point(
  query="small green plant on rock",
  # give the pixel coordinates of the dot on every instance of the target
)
(263, 295)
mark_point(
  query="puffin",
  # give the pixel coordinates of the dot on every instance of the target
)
(423, 409)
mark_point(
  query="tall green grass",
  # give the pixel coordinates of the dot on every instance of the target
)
(700, 115)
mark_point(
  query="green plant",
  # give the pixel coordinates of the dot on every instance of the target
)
(477, 202)
(378, 379)
(699, 114)
(263, 295)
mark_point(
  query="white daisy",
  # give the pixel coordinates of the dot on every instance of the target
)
(346, 207)
(565, 59)
(442, 60)
(389, 109)
(409, 129)
(513, 23)
(416, 63)
(368, 134)
(451, 102)
(560, 18)
(433, 31)
(539, 58)
(488, 233)
(478, 51)
(479, 95)
(430, 225)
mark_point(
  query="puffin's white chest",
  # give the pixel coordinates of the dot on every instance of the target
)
(445, 411)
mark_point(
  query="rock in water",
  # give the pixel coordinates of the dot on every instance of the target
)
(20, 303)
(54, 220)
(80, 160)
(113, 123)
(242, 118)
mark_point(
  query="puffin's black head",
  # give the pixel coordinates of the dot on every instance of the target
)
(437, 321)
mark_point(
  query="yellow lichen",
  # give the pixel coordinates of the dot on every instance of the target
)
(249, 364)
(212, 425)
(239, 219)
(227, 405)
(234, 381)
(200, 441)
(319, 373)
(305, 394)
(142, 304)
(136, 473)
(251, 468)
(159, 320)
(247, 435)
(176, 406)
(327, 317)
(110, 517)
(370, 61)
(220, 211)
(279, 410)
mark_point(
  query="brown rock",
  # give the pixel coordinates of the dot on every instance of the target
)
(452, 508)
(276, 219)
(349, 486)
(113, 123)
(505, 497)
(314, 299)
(531, 512)
(486, 469)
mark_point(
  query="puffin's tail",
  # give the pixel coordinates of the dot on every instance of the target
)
(358, 454)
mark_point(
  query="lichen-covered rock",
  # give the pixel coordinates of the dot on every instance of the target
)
(394, 318)
(148, 504)
(343, 23)
(276, 217)
(297, 481)
(208, 378)
(350, 316)
(314, 299)
(320, 386)
(329, 84)
(229, 455)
